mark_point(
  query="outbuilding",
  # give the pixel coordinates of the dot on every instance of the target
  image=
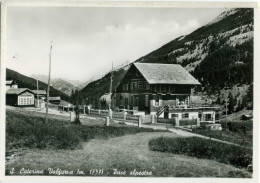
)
(21, 97)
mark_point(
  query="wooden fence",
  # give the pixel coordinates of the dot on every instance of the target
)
(104, 113)
(132, 117)
(118, 115)
(146, 118)
(94, 112)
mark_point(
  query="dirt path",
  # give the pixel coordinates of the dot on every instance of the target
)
(126, 153)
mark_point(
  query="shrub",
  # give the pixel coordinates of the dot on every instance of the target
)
(238, 126)
(185, 122)
(234, 137)
(169, 121)
(204, 148)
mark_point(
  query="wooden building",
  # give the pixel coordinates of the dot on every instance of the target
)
(55, 100)
(20, 97)
(147, 87)
(65, 106)
(161, 89)
(10, 84)
(42, 94)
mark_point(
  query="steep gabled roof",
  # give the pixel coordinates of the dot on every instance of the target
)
(165, 74)
(54, 98)
(39, 92)
(8, 82)
(65, 103)
(17, 91)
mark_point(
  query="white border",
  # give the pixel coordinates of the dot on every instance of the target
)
(150, 4)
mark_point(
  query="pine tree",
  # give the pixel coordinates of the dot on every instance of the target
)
(231, 103)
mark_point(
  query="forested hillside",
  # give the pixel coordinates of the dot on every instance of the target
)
(219, 55)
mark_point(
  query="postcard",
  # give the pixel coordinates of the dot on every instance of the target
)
(129, 91)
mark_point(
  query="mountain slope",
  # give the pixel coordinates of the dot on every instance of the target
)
(27, 82)
(63, 86)
(219, 55)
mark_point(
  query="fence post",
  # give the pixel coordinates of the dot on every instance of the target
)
(140, 122)
(99, 112)
(84, 110)
(107, 121)
(177, 122)
(125, 113)
(72, 116)
(152, 118)
(110, 114)
(155, 118)
(198, 122)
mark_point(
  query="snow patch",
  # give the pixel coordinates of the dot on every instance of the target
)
(174, 51)
(241, 38)
(181, 38)
(223, 15)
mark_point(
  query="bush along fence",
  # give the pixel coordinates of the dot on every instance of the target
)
(142, 119)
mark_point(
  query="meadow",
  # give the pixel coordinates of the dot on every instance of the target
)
(60, 145)
(198, 147)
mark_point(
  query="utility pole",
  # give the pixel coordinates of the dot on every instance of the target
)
(110, 91)
(37, 94)
(48, 89)
(226, 114)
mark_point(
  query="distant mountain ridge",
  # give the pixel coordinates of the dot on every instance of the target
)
(219, 55)
(65, 85)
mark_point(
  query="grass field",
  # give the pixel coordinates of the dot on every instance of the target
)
(204, 148)
(237, 138)
(238, 132)
(126, 152)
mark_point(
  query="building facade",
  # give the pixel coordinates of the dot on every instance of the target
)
(161, 89)
(148, 87)
(41, 94)
(21, 97)
(10, 84)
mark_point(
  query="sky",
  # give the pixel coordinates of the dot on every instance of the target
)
(86, 40)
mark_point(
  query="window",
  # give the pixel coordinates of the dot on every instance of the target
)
(133, 85)
(157, 97)
(208, 117)
(175, 115)
(146, 100)
(172, 88)
(185, 115)
(126, 101)
(125, 87)
(147, 86)
(140, 85)
(163, 88)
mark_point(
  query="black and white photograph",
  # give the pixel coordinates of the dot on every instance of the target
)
(129, 91)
